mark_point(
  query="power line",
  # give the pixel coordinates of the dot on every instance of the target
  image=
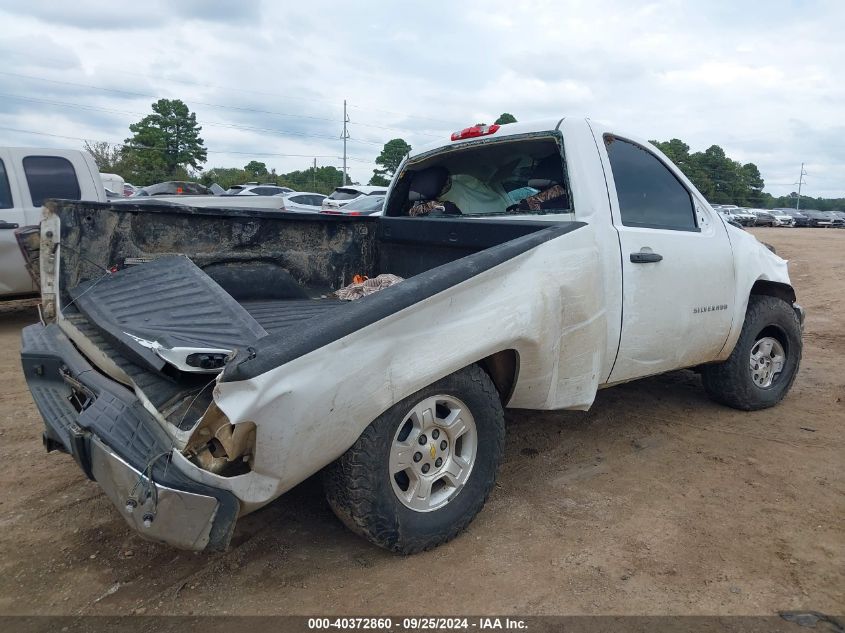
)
(162, 149)
(151, 96)
(207, 104)
(405, 114)
(67, 104)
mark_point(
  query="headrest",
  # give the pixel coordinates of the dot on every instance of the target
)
(428, 183)
(547, 173)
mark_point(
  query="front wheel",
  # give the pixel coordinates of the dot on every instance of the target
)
(422, 470)
(763, 365)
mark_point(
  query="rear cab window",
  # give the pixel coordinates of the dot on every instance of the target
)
(50, 177)
(649, 194)
(5, 190)
(517, 176)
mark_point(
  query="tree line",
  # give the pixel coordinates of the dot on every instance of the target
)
(719, 178)
(726, 181)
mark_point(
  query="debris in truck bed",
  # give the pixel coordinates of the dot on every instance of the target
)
(358, 289)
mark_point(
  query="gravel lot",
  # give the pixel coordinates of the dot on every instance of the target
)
(656, 501)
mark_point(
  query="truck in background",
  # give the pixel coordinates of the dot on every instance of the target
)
(29, 176)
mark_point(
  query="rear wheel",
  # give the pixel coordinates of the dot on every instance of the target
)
(423, 469)
(763, 365)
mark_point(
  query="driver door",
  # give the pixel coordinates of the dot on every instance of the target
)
(677, 266)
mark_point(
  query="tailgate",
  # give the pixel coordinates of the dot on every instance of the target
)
(167, 311)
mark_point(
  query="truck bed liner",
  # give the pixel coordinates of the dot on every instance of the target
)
(280, 314)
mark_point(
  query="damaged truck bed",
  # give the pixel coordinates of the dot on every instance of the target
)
(197, 363)
(148, 304)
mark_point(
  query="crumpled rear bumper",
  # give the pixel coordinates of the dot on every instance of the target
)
(119, 444)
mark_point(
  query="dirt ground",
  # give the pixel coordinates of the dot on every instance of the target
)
(657, 501)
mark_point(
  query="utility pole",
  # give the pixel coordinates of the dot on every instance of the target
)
(315, 174)
(344, 137)
(800, 182)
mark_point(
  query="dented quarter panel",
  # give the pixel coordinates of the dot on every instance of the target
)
(548, 306)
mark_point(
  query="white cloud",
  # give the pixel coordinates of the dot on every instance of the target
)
(765, 85)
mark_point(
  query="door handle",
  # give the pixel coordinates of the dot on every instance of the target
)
(644, 257)
(7, 225)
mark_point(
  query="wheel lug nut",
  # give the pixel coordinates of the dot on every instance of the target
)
(443, 445)
(438, 462)
(417, 456)
(426, 468)
(423, 439)
(435, 434)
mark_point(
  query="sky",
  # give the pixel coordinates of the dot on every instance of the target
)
(764, 80)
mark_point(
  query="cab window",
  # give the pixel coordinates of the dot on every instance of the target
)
(50, 177)
(5, 190)
(649, 193)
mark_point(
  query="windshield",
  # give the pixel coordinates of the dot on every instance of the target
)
(513, 177)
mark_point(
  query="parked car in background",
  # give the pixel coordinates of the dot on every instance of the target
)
(781, 217)
(28, 177)
(173, 188)
(798, 218)
(743, 216)
(837, 220)
(258, 190)
(365, 205)
(112, 194)
(729, 216)
(818, 219)
(841, 216)
(301, 201)
(763, 218)
(342, 196)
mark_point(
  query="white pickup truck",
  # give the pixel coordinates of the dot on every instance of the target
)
(196, 363)
(28, 176)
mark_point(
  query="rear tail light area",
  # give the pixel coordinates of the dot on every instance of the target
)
(475, 131)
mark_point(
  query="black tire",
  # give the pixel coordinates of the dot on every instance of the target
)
(730, 383)
(358, 486)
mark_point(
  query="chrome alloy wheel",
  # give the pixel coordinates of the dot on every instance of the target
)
(432, 453)
(767, 361)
